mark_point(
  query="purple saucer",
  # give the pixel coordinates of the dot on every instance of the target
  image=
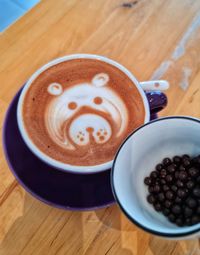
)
(56, 188)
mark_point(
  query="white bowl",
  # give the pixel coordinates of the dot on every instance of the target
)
(138, 156)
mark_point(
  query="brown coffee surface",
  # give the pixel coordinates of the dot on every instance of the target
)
(79, 111)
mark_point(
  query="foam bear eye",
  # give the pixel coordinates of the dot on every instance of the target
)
(55, 89)
(97, 100)
(72, 105)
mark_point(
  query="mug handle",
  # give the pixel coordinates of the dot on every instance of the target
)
(157, 99)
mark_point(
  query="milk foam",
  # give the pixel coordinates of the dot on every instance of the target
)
(85, 113)
(55, 89)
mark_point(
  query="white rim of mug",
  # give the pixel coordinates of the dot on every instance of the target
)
(171, 235)
(53, 162)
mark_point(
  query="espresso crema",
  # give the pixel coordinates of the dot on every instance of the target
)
(79, 111)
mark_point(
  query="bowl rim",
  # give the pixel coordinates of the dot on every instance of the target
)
(131, 218)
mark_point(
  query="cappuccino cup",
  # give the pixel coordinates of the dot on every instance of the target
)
(75, 111)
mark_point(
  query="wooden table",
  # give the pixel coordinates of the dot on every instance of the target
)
(153, 39)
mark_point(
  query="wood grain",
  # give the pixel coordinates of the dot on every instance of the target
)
(144, 36)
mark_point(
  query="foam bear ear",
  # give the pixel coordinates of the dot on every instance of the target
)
(100, 80)
(55, 89)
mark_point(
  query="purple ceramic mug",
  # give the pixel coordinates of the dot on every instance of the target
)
(153, 101)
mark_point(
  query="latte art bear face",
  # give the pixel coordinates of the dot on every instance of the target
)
(85, 113)
(79, 111)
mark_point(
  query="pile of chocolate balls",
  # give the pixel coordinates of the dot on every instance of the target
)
(174, 189)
